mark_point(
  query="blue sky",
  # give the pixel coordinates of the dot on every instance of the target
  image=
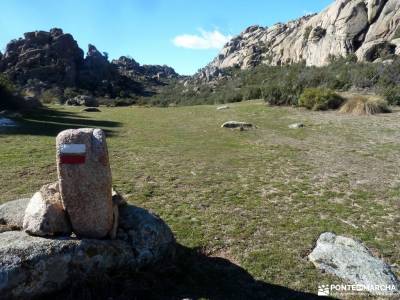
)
(183, 34)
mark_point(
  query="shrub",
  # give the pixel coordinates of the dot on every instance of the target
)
(71, 93)
(392, 95)
(307, 33)
(364, 106)
(7, 98)
(252, 93)
(52, 95)
(320, 99)
(232, 96)
(280, 95)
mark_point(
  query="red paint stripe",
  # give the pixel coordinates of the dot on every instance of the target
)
(72, 159)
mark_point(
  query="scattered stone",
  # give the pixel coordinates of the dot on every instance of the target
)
(91, 109)
(85, 181)
(12, 213)
(6, 122)
(235, 124)
(45, 215)
(352, 261)
(296, 126)
(33, 266)
(223, 107)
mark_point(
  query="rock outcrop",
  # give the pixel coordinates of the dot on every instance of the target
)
(367, 28)
(33, 266)
(49, 56)
(130, 68)
(44, 60)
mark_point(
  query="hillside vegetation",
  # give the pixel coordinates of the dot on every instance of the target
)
(283, 85)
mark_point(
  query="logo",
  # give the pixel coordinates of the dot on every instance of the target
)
(323, 290)
(356, 289)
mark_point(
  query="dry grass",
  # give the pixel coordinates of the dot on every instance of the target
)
(361, 106)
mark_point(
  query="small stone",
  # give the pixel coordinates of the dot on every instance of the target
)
(45, 215)
(296, 126)
(85, 181)
(236, 124)
(352, 262)
(223, 107)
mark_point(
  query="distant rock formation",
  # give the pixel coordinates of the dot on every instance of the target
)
(48, 56)
(43, 59)
(129, 67)
(369, 29)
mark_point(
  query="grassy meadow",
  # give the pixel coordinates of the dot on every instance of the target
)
(252, 203)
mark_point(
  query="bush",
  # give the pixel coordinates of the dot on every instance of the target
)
(230, 95)
(7, 90)
(280, 95)
(365, 106)
(52, 95)
(252, 93)
(320, 99)
(307, 33)
(71, 93)
(392, 95)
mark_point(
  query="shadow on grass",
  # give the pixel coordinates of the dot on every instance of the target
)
(49, 122)
(193, 275)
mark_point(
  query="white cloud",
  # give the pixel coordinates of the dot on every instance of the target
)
(206, 40)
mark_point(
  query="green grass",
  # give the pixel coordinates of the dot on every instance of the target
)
(259, 198)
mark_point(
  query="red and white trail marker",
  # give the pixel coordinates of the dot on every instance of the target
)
(72, 154)
(84, 176)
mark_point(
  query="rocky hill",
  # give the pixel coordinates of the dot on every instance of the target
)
(370, 29)
(46, 60)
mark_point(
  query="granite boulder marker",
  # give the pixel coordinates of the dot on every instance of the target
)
(45, 214)
(84, 176)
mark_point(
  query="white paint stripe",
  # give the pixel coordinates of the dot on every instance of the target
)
(73, 148)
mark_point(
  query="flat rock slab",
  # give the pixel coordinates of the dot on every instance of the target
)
(236, 124)
(85, 181)
(33, 266)
(296, 126)
(351, 261)
(223, 107)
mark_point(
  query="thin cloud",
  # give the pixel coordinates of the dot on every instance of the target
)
(204, 40)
